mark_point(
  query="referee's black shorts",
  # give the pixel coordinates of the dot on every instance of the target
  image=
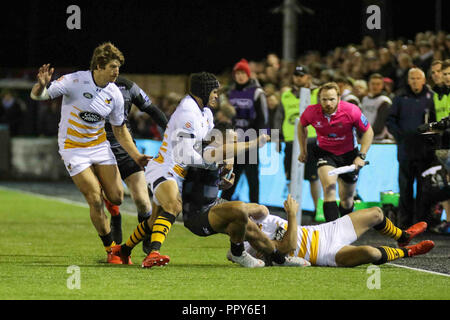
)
(325, 158)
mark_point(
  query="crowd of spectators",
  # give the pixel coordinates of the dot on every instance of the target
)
(350, 66)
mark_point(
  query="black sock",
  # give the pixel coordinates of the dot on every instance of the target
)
(277, 257)
(116, 220)
(237, 248)
(343, 211)
(330, 211)
(106, 239)
(143, 216)
(126, 251)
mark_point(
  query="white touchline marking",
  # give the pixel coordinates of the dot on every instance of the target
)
(417, 269)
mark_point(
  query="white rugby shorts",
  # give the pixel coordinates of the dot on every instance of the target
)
(156, 173)
(332, 237)
(79, 159)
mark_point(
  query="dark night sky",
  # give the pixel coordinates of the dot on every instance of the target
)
(176, 37)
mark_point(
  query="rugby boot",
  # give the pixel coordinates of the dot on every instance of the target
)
(413, 231)
(117, 252)
(153, 259)
(245, 260)
(293, 262)
(113, 259)
(420, 248)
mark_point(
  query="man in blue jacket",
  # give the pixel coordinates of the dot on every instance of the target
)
(411, 108)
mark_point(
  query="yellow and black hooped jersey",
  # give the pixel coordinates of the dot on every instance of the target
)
(84, 109)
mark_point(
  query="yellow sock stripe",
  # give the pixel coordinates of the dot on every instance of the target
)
(302, 251)
(108, 248)
(141, 230)
(160, 229)
(136, 237)
(393, 253)
(130, 243)
(314, 247)
(162, 222)
(391, 230)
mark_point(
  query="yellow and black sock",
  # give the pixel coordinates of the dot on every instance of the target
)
(108, 242)
(387, 228)
(160, 229)
(391, 254)
(138, 234)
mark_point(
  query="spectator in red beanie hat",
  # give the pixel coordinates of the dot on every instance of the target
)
(242, 65)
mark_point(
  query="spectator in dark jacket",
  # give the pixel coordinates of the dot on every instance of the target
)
(249, 100)
(12, 112)
(411, 108)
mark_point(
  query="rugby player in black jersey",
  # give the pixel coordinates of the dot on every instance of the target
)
(132, 174)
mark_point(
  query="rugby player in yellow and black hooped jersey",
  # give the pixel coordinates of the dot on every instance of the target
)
(88, 98)
(132, 174)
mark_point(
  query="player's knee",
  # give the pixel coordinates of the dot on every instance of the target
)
(329, 188)
(142, 205)
(372, 253)
(94, 200)
(173, 207)
(240, 213)
(377, 215)
(263, 210)
(116, 197)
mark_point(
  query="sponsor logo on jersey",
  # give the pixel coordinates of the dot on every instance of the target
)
(108, 101)
(90, 116)
(144, 96)
(87, 95)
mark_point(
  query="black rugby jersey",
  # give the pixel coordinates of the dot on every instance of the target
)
(133, 94)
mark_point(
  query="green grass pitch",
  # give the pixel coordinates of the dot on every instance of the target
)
(41, 238)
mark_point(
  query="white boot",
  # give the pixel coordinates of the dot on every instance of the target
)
(293, 262)
(245, 260)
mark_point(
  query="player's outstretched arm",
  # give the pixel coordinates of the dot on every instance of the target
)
(289, 241)
(230, 150)
(302, 134)
(123, 136)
